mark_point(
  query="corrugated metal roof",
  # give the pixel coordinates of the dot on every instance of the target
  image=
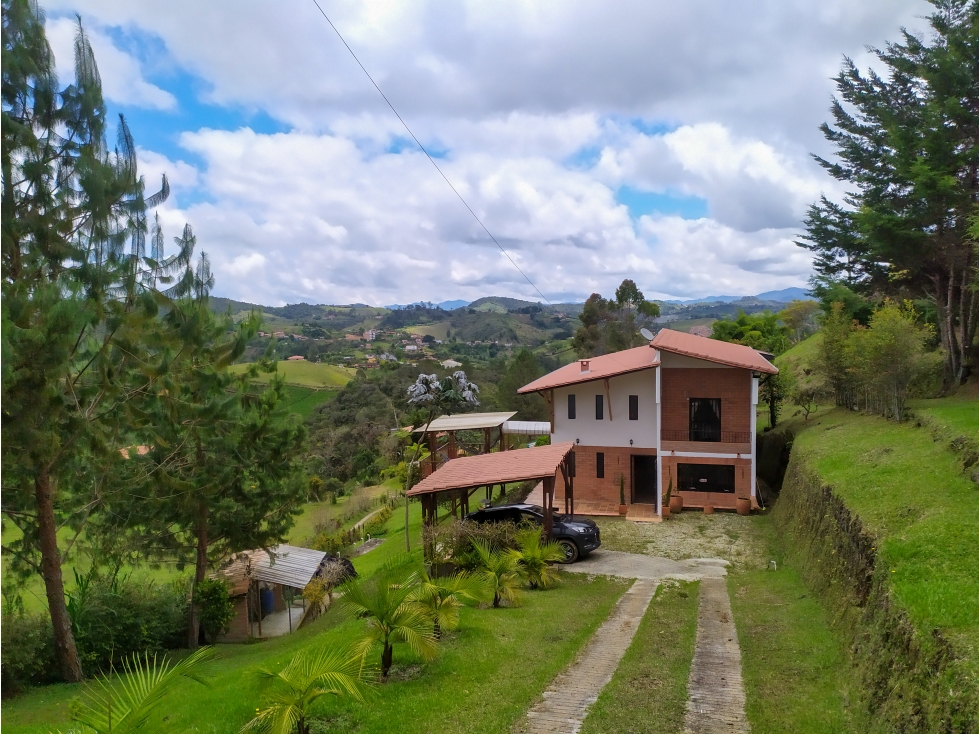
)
(289, 565)
(467, 421)
(527, 428)
(596, 368)
(502, 467)
(712, 350)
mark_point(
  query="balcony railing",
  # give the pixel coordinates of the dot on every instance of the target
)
(707, 436)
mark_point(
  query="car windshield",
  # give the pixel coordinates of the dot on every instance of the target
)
(536, 508)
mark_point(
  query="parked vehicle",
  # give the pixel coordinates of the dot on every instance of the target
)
(578, 536)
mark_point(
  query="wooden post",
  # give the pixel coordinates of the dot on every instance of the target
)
(548, 506)
(258, 591)
(486, 440)
(452, 444)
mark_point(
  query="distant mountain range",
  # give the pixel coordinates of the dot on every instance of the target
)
(783, 296)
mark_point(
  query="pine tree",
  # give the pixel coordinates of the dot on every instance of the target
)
(75, 308)
(908, 144)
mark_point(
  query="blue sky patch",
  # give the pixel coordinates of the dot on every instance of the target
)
(659, 202)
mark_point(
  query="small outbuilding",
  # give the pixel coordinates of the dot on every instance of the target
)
(266, 587)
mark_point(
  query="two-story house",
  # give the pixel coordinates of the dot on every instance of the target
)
(676, 414)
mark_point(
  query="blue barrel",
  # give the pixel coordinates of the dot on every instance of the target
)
(268, 601)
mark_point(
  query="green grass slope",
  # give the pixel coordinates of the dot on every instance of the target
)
(306, 374)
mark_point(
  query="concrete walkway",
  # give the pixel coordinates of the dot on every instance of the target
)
(635, 566)
(715, 691)
(277, 623)
(568, 698)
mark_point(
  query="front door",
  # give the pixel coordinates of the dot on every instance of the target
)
(644, 480)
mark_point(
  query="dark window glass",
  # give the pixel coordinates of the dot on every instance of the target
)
(571, 411)
(706, 478)
(633, 407)
(529, 517)
(599, 407)
(600, 465)
(705, 419)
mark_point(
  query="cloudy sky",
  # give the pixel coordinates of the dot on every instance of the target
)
(659, 140)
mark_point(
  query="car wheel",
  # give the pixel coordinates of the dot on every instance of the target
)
(571, 552)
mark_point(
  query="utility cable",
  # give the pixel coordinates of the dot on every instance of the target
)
(432, 160)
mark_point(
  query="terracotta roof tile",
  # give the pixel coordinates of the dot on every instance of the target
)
(712, 350)
(599, 368)
(504, 466)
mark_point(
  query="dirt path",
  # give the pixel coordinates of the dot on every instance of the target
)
(715, 691)
(567, 699)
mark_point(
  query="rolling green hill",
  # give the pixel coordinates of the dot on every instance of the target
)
(307, 374)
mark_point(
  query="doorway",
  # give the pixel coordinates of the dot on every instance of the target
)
(644, 480)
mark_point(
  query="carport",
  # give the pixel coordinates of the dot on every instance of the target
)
(465, 475)
(450, 424)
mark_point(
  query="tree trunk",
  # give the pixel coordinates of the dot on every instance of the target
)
(958, 316)
(496, 601)
(200, 571)
(54, 586)
(387, 657)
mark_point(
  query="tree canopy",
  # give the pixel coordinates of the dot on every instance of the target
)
(907, 143)
(611, 325)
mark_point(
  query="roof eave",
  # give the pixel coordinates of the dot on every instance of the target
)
(528, 389)
(715, 360)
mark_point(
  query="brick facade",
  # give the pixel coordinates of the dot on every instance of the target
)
(618, 463)
(742, 481)
(732, 386)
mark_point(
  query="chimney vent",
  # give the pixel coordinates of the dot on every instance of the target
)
(584, 365)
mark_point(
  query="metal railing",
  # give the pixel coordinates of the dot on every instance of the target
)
(706, 436)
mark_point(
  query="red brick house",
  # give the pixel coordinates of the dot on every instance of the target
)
(678, 413)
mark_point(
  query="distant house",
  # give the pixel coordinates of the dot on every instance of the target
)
(279, 334)
(370, 335)
(387, 357)
(296, 358)
(450, 364)
(411, 348)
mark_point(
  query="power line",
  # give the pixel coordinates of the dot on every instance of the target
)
(432, 160)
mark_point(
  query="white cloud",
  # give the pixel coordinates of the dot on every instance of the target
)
(539, 112)
(122, 77)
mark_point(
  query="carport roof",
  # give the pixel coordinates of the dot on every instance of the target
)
(466, 421)
(502, 467)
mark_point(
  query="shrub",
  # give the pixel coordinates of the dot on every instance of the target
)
(378, 523)
(26, 651)
(332, 542)
(452, 541)
(114, 617)
(215, 608)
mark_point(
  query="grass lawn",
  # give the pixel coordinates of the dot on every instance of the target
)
(487, 673)
(306, 374)
(303, 400)
(315, 513)
(912, 494)
(648, 692)
(795, 670)
(959, 413)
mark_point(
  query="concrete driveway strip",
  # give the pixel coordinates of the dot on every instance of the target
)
(569, 696)
(635, 566)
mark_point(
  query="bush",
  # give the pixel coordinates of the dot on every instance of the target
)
(378, 523)
(214, 607)
(26, 651)
(114, 617)
(452, 541)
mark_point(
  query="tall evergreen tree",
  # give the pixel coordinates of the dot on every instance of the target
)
(907, 142)
(74, 303)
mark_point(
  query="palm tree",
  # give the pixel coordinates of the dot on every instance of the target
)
(533, 557)
(499, 572)
(450, 394)
(384, 600)
(307, 677)
(441, 598)
(127, 706)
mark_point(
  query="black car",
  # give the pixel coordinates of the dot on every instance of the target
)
(578, 536)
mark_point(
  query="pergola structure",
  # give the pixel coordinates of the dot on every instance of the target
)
(466, 474)
(449, 424)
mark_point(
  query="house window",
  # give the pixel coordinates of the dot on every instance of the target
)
(705, 478)
(599, 407)
(571, 410)
(600, 465)
(705, 419)
(633, 407)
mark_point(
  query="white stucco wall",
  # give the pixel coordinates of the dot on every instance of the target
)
(617, 431)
